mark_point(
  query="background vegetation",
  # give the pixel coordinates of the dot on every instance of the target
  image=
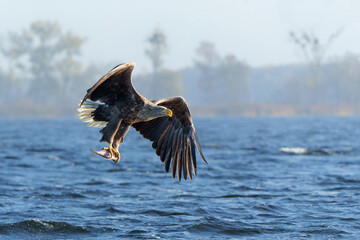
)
(42, 75)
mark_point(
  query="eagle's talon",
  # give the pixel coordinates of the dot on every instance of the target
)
(109, 153)
(114, 153)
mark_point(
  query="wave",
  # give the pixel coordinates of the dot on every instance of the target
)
(11, 157)
(294, 150)
(215, 146)
(36, 226)
(306, 151)
(263, 196)
(65, 195)
(163, 213)
(45, 150)
(223, 227)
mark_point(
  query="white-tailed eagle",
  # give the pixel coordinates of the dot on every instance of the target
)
(114, 105)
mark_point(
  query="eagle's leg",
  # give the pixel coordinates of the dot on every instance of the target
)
(109, 135)
(111, 152)
(117, 140)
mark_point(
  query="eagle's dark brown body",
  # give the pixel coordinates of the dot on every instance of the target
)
(166, 122)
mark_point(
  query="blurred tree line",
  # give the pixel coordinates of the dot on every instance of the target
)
(319, 80)
(337, 82)
(41, 65)
(224, 80)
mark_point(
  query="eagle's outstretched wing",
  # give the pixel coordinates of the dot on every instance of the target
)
(116, 91)
(173, 138)
(115, 86)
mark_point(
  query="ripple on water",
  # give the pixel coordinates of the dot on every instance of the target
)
(11, 157)
(315, 151)
(164, 213)
(323, 230)
(44, 150)
(36, 226)
(65, 195)
(50, 228)
(261, 196)
(211, 225)
(115, 210)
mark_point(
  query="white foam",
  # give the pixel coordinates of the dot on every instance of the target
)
(294, 150)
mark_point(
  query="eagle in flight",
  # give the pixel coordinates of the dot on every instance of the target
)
(114, 105)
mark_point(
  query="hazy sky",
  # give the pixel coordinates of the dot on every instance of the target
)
(256, 31)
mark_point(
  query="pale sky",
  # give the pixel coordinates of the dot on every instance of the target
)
(256, 31)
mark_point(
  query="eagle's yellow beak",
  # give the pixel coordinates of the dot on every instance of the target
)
(168, 112)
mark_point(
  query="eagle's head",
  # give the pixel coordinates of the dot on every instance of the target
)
(150, 112)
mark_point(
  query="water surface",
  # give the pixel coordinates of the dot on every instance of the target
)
(267, 178)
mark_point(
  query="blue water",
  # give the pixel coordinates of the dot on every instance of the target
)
(267, 178)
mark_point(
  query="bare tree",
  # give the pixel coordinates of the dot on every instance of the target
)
(41, 58)
(314, 52)
(155, 52)
(234, 76)
(347, 75)
(207, 61)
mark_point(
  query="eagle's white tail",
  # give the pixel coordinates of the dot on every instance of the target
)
(86, 114)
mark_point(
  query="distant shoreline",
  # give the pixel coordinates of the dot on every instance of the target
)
(31, 110)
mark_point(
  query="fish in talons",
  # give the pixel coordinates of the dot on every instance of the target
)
(109, 153)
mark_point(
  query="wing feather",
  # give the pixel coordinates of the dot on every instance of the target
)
(179, 156)
(168, 160)
(114, 86)
(149, 134)
(175, 155)
(163, 136)
(174, 139)
(159, 130)
(193, 156)
(184, 157)
(171, 149)
(167, 144)
(188, 162)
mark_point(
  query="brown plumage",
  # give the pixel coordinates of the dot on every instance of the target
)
(166, 122)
